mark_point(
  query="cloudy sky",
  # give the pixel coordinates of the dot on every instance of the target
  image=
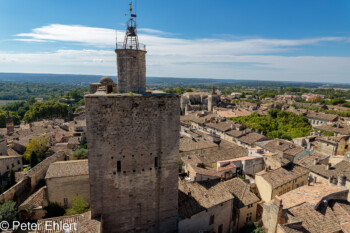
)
(232, 39)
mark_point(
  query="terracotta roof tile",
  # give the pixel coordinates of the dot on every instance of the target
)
(68, 168)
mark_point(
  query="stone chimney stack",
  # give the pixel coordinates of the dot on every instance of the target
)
(341, 180)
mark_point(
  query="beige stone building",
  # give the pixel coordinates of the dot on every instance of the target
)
(275, 182)
(282, 147)
(337, 128)
(318, 118)
(8, 163)
(67, 179)
(336, 145)
(334, 174)
(220, 207)
(316, 208)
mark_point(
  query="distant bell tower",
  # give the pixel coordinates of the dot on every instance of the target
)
(131, 60)
(10, 126)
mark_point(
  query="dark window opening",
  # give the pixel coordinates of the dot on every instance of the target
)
(155, 161)
(119, 166)
(220, 229)
(211, 220)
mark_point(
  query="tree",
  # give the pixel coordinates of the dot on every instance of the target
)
(277, 124)
(188, 90)
(79, 206)
(8, 211)
(12, 179)
(39, 145)
(252, 228)
(178, 90)
(46, 110)
(53, 209)
(33, 159)
(80, 153)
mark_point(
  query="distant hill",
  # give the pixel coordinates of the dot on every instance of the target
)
(85, 80)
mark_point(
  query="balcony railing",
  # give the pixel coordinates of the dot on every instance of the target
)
(131, 47)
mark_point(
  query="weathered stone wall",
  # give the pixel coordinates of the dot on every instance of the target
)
(29, 180)
(201, 222)
(131, 79)
(68, 187)
(38, 172)
(8, 163)
(3, 145)
(133, 161)
(16, 192)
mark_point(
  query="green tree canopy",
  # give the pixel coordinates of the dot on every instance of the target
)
(53, 209)
(8, 211)
(277, 124)
(39, 145)
(80, 153)
(46, 110)
(79, 206)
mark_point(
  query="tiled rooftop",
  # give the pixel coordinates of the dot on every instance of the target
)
(341, 168)
(252, 138)
(195, 143)
(281, 176)
(312, 194)
(68, 168)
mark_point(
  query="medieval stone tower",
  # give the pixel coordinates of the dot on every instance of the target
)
(213, 99)
(133, 141)
(10, 126)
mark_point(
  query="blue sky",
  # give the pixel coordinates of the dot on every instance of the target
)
(290, 40)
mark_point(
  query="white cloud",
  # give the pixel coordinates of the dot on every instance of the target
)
(176, 57)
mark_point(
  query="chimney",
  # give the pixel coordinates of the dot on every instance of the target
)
(325, 203)
(328, 166)
(341, 180)
(278, 201)
(330, 180)
(315, 161)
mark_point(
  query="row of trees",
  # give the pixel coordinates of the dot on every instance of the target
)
(277, 124)
(46, 110)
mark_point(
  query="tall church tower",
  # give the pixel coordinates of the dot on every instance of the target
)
(133, 141)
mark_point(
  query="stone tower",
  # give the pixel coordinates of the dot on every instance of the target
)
(213, 99)
(131, 54)
(10, 126)
(133, 141)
